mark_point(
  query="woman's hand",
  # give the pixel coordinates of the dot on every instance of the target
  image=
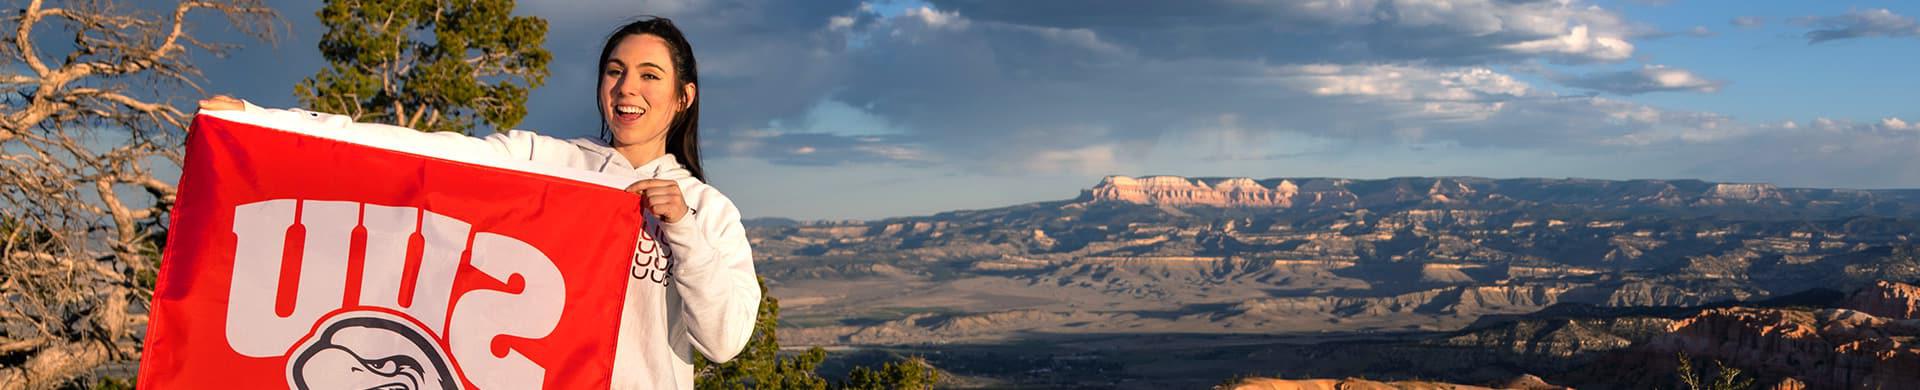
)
(662, 198)
(222, 103)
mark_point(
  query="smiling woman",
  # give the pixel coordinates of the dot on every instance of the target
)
(705, 295)
(645, 64)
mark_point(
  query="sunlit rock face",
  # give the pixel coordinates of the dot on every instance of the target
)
(1892, 300)
(1179, 191)
(1865, 343)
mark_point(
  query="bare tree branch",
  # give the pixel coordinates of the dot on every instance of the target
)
(79, 132)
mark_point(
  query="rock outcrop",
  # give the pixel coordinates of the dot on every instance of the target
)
(1179, 191)
(1342, 384)
(1530, 382)
(924, 328)
(1749, 192)
(1891, 300)
(1470, 300)
(1825, 348)
(1553, 345)
(1788, 384)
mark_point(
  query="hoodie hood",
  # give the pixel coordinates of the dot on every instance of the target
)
(663, 167)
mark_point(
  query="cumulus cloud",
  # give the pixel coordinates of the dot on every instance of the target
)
(1748, 21)
(1019, 90)
(1895, 124)
(1649, 78)
(1445, 31)
(1002, 93)
(1859, 24)
(933, 18)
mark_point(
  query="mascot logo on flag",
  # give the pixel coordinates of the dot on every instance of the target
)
(370, 350)
(380, 349)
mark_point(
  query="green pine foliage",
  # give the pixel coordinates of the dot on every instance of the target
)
(760, 366)
(1725, 378)
(910, 373)
(432, 65)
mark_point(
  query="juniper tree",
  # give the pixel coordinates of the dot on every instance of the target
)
(432, 65)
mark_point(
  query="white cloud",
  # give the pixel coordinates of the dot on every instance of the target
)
(1895, 124)
(1428, 93)
(840, 23)
(937, 18)
(982, 95)
(1578, 42)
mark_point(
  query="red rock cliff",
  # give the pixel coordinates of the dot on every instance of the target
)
(1179, 191)
(1829, 348)
(1891, 300)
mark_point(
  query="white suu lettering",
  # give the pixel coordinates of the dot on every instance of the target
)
(536, 311)
(388, 231)
(254, 329)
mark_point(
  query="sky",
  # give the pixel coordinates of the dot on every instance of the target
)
(846, 109)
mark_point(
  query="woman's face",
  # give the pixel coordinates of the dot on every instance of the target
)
(638, 97)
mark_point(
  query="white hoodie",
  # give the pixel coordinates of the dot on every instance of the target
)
(714, 295)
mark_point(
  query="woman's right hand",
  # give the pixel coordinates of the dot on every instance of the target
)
(222, 103)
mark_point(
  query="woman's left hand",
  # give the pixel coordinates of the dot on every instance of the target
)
(662, 198)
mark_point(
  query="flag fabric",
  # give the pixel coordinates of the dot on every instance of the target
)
(294, 260)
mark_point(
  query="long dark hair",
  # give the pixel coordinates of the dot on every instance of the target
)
(683, 135)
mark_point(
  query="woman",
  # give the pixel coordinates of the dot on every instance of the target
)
(700, 293)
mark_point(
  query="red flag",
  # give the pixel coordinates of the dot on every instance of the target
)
(307, 262)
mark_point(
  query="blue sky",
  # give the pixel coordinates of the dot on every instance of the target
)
(843, 109)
